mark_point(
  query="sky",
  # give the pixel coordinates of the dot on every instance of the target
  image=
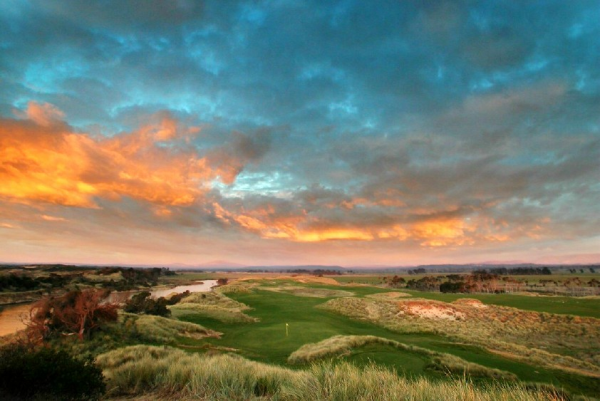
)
(289, 132)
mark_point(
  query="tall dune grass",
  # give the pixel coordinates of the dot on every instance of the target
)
(514, 333)
(311, 292)
(171, 374)
(215, 305)
(339, 345)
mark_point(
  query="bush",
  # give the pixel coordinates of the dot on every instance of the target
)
(142, 303)
(174, 299)
(77, 312)
(48, 374)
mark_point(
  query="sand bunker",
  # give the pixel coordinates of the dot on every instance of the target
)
(475, 303)
(430, 310)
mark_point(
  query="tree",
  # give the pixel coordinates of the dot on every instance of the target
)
(142, 303)
(76, 312)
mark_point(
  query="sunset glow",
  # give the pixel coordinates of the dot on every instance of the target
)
(282, 133)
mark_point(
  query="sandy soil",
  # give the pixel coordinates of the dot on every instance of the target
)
(429, 310)
(475, 303)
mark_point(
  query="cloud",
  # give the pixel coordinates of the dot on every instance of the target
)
(45, 162)
(44, 114)
(125, 15)
(289, 127)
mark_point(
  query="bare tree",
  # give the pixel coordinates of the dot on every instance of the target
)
(76, 312)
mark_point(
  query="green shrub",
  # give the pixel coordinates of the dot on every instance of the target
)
(47, 374)
(142, 303)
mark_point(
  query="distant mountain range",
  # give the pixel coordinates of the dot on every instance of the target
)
(228, 266)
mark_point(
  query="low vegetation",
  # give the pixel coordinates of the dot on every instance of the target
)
(500, 280)
(142, 303)
(300, 291)
(76, 312)
(344, 345)
(214, 305)
(569, 342)
(174, 374)
(43, 373)
(157, 329)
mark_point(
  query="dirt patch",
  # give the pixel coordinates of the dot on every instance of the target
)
(430, 310)
(475, 303)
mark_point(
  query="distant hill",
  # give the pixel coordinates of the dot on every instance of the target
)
(216, 264)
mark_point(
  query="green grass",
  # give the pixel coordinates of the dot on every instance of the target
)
(402, 356)
(550, 304)
(406, 363)
(358, 279)
(266, 340)
(170, 374)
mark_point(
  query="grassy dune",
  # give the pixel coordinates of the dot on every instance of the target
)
(344, 345)
(172, 374)
(214, 305)
(569, 342)
(302, 291)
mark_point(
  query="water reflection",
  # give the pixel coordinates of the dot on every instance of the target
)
(201, 286)
(11, 318)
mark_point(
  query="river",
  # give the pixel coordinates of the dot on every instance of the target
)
(11, 317)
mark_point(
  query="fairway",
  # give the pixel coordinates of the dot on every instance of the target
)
(266, 340)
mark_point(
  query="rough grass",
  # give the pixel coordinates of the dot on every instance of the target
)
(164, 330)
(308, 291)
(135, 329)
(388, 295)
(236, 287)
(167, 373)
(99, 278)
(343, 345)
(214, 305)
(570, 342)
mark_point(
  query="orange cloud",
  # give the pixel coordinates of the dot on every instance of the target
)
(44, 114)
(43, 160)
(428, 232)
(52, 218)
(443, 232)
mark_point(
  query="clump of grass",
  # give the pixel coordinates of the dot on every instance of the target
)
(150, 328)
(236, 287)
(300, 291)
(214, 305)
(134, 329)
(445, 363)
(167, 373)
